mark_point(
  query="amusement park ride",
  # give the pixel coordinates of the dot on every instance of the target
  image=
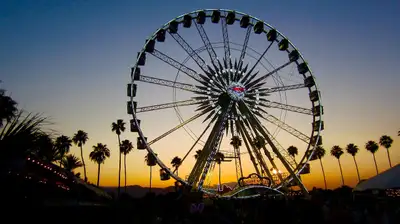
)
(234, 94)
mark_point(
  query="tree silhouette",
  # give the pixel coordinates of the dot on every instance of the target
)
(126, 148)
(320, 153)
(337, 152)
(352, 149)
(63, 144)
(373, 147)
(198, 153)
(79, 139)
(150, 160)
(71, 162)
(386, 142)
(99, 154)
(219, 157)
(176, 162)
(8, 108)
(118, 127)
(293, 151)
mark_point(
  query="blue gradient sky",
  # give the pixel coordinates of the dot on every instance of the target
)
(71, 61)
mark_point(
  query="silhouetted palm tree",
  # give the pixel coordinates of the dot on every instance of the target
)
(386, 141)
(8, 108)
(259, 142)
(45, 150)
(150, 161)
(63, 144)
(126, 148)
(219, 157)
(99, 154)
(373, 147)
(71, 162)
(236, 142)
(79, 139)
(176, 162)
(352, 149)
(293, 151)
(18, 137)
(320, 153)
(118, 127)
(198, 153)
(337, 152)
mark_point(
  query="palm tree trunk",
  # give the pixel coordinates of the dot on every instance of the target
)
(341, 172)
(125, 170)
(150, 178)
(98, 175)
(219, 174)
(83, 164)
(376, 165)
(358, 173)
(323, 173)
(119, 167)
(390, 162)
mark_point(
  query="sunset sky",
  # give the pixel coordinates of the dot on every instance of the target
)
(70, 60)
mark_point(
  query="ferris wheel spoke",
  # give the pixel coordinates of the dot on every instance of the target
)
(181, 67)
(287, 107)
(207, 43)
(172, 105)
(195, 143)
(198, 115)
(173, 84)
(243, 52)
(250, 76)
(226, 39)
(265, 91)
(262, 78)
(282, 125)
(189, 50)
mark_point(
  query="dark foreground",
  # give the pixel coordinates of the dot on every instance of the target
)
(324, 207)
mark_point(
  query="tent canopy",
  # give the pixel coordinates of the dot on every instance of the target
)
(390, 179)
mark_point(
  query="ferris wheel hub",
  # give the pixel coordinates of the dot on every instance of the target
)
(236, 91)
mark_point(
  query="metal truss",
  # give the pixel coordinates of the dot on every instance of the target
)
(226, 39)
(246, 42)
(275, 89)
(171, 105)
(172, 84)
(281, 150)
(287, 107)
(207, 43)
(189, 50)
(249, 85)
(246, 80)
(177, 127)
(291, 130)
(215, 145)
(174, 63)
(249, 135)
(236, 152)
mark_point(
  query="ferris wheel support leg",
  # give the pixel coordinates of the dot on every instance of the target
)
(238, 162)
(271, 160)
(247, 144)
(205, 159)
(256, 151)
(276, 151)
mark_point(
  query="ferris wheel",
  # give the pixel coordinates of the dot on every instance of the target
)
(219, 86)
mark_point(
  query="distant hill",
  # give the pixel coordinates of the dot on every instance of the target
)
(137, 191)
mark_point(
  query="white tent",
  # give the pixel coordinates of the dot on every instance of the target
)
(390, 179)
